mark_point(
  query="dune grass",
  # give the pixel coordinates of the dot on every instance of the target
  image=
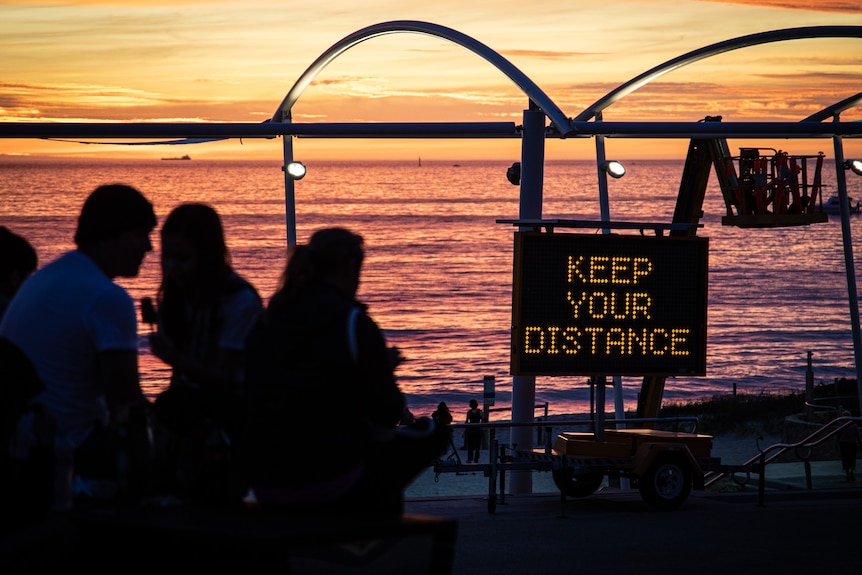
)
(740, 413)
(756, 412)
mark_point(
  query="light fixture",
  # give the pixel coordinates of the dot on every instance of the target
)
(296, 170)
(513, 174)
(614, 168)
(854, 166)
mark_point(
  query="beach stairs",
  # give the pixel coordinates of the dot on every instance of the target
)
(805, 459)
(199, 539)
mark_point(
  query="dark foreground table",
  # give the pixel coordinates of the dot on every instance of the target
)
(115, 541)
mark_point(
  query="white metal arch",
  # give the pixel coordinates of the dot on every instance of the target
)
(714, 50)
(536, 95)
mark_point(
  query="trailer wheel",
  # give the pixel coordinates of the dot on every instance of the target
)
(580, 485)
(667, 483)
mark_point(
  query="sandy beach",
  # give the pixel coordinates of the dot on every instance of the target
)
(732, 449)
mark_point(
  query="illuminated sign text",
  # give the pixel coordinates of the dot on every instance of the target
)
(609, 304)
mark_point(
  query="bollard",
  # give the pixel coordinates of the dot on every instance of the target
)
(492, 474)
(540, 429)
(488, 400)
(761, 482)
(502, 458)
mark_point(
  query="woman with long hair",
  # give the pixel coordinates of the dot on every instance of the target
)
(205, 312)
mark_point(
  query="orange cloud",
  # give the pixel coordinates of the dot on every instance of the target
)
(815, 6)
(224, 61)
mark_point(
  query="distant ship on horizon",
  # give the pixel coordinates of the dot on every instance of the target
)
(186, 157)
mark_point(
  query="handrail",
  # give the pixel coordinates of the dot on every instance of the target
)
(822, 403)
(768, 455)
(816, 438)
(575, 422)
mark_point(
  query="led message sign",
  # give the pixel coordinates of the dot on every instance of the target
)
(609, 305)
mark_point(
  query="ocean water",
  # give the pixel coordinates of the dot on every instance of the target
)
(438, 272)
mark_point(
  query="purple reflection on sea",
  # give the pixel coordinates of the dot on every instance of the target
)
(439, 267)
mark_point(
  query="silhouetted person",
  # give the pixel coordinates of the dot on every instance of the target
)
(318, 353)
(205, 312)
(27, 474)
(79, 329)
(848, 444)
(442, 415)
(18, 260)
(473, 435)
(443, 418)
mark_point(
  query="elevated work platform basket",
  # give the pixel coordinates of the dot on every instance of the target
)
(771, 188)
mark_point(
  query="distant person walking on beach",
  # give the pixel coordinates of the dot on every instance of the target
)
(17, 261)
(442, 415)
(473, 435)
(79, 328)
(318, 353)
(205, 312)
(848, 444)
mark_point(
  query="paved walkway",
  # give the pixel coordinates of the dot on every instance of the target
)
(793, 529)
(790, 529)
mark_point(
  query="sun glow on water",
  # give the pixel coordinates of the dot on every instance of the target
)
(438, 273)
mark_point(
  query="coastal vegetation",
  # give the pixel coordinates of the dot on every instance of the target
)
(746, 413)
(742, 413)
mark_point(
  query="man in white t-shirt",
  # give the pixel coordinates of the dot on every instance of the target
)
(78, 327)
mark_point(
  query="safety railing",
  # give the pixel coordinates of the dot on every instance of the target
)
(802, 449)
(501, 460)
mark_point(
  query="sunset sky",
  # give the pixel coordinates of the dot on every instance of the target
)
(228, 61)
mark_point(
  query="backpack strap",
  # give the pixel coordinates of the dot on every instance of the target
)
(352, 344)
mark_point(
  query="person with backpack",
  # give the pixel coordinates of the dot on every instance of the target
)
(317, 346)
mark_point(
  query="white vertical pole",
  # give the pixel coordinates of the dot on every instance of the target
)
(524, 386)
(605, 213)
(289, 194)
(849, 267)
(604, 204)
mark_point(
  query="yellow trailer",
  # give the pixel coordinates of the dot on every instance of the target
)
(665, 465)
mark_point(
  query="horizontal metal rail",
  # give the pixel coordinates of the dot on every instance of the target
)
(826, 403)
(550, 224)
(410, 130)
(609, 423)
(136, 130)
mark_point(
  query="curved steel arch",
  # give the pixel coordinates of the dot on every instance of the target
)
(536, 95)
(713, 50)
(835, 109)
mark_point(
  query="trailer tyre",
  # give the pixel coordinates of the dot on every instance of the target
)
(580, 485)
(667, 482)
